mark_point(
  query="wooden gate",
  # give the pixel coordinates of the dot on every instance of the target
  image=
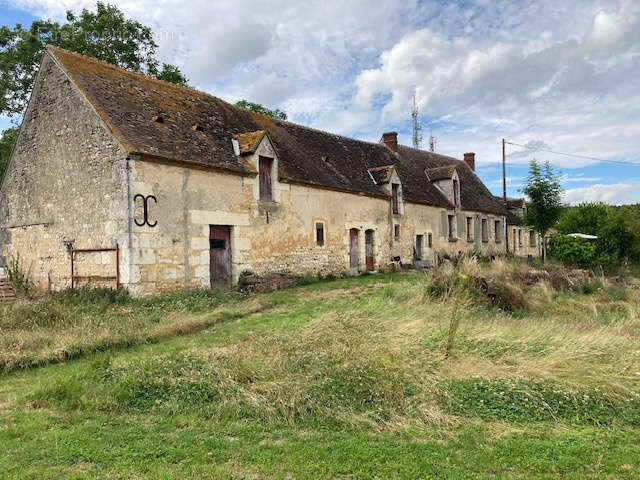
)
(368, 241)
(220, 256)
(353, 250)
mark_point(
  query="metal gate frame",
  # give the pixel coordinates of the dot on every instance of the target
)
(75, 277)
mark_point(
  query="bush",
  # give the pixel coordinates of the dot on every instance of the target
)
(572, 250)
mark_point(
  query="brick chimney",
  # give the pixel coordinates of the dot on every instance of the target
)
(470, 159)
(390, 139)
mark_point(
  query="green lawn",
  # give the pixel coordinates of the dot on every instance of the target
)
(342, 379)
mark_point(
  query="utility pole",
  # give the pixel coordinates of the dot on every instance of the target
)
(504, 193)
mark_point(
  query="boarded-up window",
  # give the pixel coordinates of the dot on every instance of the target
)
(470, 229)
(320, 234)
(265, 179)
(396, 231)
(532, 238)
(430, 240)
(485, 230)
(452, 226)
(456, 193)
(419, 246)
(497, 226)
(394, 197)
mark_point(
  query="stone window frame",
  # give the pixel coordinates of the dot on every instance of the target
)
(469, 222)
(497, 230)
(452, 227)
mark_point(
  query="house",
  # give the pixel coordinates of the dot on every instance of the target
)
(119, 178)
(523, 241)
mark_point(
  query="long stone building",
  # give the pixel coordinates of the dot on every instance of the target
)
(119, 177)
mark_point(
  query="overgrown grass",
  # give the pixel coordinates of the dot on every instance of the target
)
(384, 376)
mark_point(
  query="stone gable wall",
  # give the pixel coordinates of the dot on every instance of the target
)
(65, 185)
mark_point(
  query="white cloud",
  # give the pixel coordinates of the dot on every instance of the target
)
(616, 194)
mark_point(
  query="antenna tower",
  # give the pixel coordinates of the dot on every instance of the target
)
(417, 127)
(432, 143)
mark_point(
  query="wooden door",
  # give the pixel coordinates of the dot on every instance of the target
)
(368, 240)
(220, 256)
(353, 249)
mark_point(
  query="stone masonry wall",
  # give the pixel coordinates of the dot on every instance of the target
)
(65, 185)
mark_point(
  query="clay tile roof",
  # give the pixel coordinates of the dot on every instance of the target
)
(127, 101)
(381, 175)
(441, 173)
(248, 142)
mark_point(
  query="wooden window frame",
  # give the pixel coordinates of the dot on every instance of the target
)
(484, 226)
(320, 242)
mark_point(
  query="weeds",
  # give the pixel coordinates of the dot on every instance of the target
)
(17, 275)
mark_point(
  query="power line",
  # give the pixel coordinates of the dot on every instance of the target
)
(573, 154)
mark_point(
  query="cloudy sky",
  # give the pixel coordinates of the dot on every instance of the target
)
(561, 75)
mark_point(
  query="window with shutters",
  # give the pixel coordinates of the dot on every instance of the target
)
(497, 234)
(451, 223)
(470, 229)
(394, 198)
(266, 166)
(320, 234)
(485, 230)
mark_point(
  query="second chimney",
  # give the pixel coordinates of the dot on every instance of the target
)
(390, 139)
(470, 160)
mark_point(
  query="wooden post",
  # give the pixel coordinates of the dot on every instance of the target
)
(117, 266)
(504, 193)
(72, 271)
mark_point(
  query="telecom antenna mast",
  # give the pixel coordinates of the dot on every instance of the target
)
(417, 127)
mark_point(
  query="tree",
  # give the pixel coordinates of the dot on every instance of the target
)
(7, 140)
(584, 218)
(104, 34)
(544, 192)
(256, 107)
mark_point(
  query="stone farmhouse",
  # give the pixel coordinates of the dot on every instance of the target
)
(119, 178)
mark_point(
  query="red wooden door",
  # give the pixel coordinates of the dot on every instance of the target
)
(368, 241)
(220, 256)
(265, 179)
(353, 249)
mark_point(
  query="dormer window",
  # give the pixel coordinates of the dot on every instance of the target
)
(394, 198)
(456, 193)
(265, 167)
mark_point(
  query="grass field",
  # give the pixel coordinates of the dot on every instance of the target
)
(369, 377)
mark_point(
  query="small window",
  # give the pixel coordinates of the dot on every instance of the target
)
(396, 231)
(419, 245)
(217, 244)
(430, 240)
(485, 230)
(456, 193)
(497, 231)
(266, 165)
(320, 234)
(394, 197)
(470, 229)
(519, 237)
(452, 226)
(532, 238)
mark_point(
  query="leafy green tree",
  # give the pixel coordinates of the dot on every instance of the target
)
(256, 107)
(7, 140)
(619, 237)
(586, 218)
(104, 34)
(545, 203)
(572, 250)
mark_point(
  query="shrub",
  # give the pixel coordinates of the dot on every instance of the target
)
(592, 287)
(17, 275)
(572, 250)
